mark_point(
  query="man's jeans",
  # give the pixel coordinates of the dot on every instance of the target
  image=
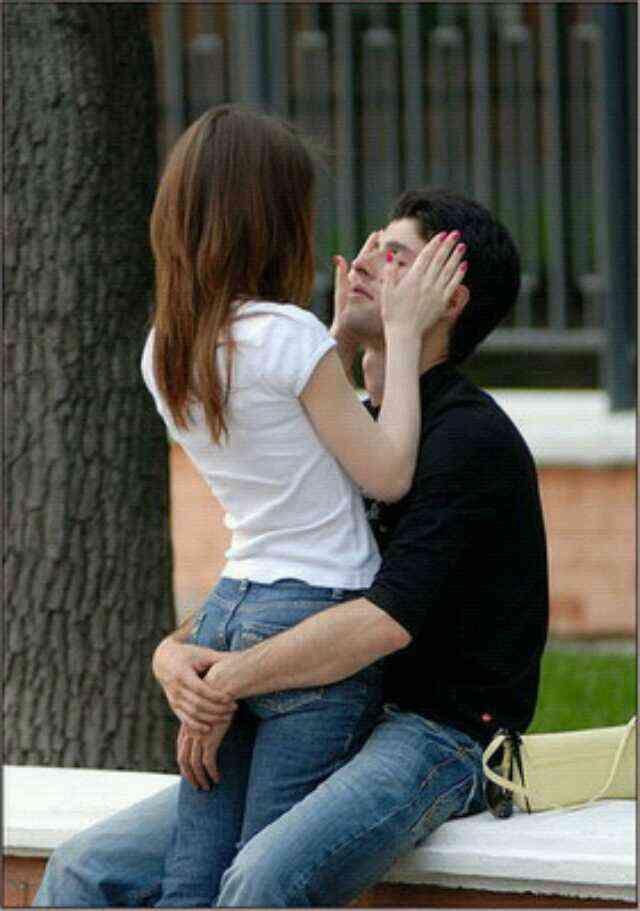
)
(410, 777)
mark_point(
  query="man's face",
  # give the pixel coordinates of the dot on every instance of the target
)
(401, 238)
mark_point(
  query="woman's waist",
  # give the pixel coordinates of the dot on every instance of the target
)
(269, 607)
(284, 589)
(329, 570)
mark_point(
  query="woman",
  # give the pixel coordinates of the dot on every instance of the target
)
(249, 383)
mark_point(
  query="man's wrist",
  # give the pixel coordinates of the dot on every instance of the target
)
(163, 650)
(221, 676)
(183, 632)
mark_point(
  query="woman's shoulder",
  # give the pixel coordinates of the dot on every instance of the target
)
(276, 317)
(281, 342)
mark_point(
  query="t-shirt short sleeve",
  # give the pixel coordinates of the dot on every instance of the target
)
(293, 343)
(146, 358)
(146, 367)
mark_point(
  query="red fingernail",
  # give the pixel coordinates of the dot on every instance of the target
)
(455, 235)
(464, 267)
(461, 247)
(389, 256)
(441, 236)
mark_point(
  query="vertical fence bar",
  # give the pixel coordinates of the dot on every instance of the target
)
(309, 16)
(584, 83)
(413, 88)
(312, 85)
(205, 65)
(508, 176)
(380, 110)
(518, 164)
(344, 124)
(552, 176)
(173, 66)
(529, 164)
(631, 88)
(616, 168)
(312, 106)
(277, 52)
(246, 59)
(481, 105)
(448, 121)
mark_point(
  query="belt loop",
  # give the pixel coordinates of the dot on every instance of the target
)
(338, 594)
(244, 585)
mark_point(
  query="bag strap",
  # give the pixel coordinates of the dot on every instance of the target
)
(508, 785)
(493, 776)
(616, 761)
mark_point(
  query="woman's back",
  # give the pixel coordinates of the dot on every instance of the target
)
(292, 510)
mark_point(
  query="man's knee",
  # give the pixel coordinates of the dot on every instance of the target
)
(63, 876)
(81, 873)
(258, 879)
(118, 862)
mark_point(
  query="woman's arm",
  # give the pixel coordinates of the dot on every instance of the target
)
(372, 455)
(380, 456)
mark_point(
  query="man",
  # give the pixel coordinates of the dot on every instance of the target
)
(459, 605)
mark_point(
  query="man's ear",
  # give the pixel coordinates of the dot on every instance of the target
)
(456, 305)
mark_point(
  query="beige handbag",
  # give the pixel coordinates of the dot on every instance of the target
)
(570, 769)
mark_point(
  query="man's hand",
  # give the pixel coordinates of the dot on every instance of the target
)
(347, 342)
(198, 755)
(178, 668)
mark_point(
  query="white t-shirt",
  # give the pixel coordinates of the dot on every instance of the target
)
(293, 511)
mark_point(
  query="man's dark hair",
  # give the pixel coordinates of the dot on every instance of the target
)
(493, 275)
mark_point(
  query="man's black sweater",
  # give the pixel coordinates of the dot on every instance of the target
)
(465, 567)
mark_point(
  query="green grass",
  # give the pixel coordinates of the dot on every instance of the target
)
(584, 690)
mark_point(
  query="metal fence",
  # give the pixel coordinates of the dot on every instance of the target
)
(528, 107)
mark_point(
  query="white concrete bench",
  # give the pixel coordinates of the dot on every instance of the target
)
(585, 854)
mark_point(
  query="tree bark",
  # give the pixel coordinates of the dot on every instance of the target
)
(88, 587)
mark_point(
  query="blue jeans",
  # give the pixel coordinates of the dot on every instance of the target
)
(410, 776)
(279, 747)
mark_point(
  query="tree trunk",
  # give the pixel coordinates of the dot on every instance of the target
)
(88, 588)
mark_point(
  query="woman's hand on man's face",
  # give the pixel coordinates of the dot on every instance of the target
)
(342, 283)
(347, 335)
(178, 668)
(414, 302)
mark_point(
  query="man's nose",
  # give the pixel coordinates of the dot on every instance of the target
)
(367, 264)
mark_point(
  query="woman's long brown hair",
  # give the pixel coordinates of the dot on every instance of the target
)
(232, 220)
